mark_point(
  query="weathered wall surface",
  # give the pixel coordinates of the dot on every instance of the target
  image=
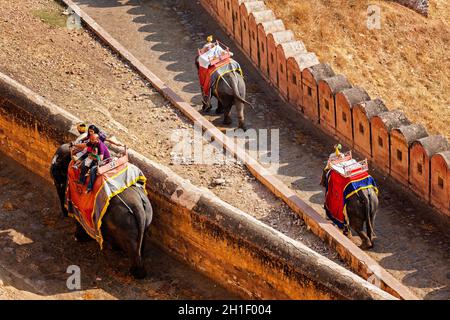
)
(243, 254)
(312, 107)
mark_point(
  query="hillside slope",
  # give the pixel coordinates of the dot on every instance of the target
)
(406, 62)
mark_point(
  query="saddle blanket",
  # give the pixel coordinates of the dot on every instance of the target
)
(89, 208)
(210, 76)
(339, 189)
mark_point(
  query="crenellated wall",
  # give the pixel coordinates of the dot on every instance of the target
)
(319, 94)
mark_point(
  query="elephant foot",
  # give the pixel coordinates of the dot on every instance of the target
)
(138, 272)
(227, 120)
(348, 235)
(366, 246)
(206, 107)
(243, 127)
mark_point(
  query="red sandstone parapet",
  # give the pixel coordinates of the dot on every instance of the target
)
(265, 28)
(401, 140)
(310, 82)
(362, 130)
(420, 163)
(245, 9)
(285, 51)
(254, 19)
(295, 66)
(328, 88)
(440, 181)
(273, 40)
(382, 124)
(345, 101)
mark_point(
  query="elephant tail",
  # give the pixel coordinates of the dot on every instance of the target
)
(140, 220)
(235, 87)
(141, 226)
(147, 216)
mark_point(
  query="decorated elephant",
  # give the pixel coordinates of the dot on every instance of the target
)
(361, 206)
(125, 222)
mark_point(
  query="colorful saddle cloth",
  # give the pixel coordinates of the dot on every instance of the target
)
(89, 208)
(210, 76)
(338, 189)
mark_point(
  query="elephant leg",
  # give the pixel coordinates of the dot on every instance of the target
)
(358, 225)
(61, 190)
(220, 109)
(226, 116)
(366, 243)
(120, 236)
(240, 112)
(370, 235)
(206, 104)
(137, 268)
(370, 224)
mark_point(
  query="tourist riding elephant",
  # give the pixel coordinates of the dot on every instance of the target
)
(230, 90)
(361, 208)
(125, 222)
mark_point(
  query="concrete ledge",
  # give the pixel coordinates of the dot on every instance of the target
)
(233, 248)
(358, 261)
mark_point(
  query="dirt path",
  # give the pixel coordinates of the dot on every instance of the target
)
(165, 35)
(35, 252)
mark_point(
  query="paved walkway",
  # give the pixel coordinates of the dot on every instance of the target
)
(165, 35)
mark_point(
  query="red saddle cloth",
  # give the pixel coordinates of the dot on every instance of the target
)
(89, 208)
(336, 194)
(81, 201)
(205, 74)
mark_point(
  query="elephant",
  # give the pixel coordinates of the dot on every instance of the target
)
(126, 221)
(230, 90)
(362, 208)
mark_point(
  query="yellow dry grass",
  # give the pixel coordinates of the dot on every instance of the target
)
(406, 62)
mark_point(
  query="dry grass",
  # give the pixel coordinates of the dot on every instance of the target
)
(406, 62)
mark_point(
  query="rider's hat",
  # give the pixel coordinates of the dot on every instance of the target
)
(81, 127)
(338, 148)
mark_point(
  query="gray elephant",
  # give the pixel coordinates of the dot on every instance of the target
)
(361, 209)
(230, 90)
(126, 221)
